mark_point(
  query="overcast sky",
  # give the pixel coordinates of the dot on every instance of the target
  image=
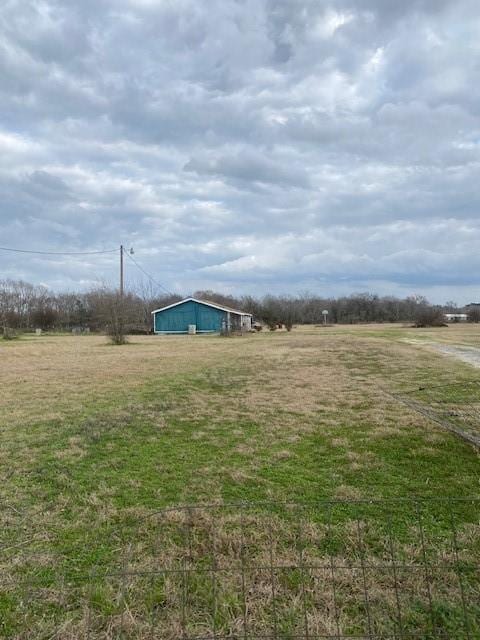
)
(248, 146)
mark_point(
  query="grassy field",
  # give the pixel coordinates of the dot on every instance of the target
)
(95, 438)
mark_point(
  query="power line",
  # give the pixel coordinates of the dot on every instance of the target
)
(147, 274)
(87, 253)
(59, 253)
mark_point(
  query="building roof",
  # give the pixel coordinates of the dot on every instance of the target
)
(206, 302)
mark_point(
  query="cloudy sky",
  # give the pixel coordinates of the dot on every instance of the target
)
(244, 145)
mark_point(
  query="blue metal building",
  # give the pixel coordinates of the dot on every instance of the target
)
(199, 316)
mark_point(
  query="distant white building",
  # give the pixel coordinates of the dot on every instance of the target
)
(456, 317)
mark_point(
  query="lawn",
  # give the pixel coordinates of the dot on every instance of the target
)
(94, 439)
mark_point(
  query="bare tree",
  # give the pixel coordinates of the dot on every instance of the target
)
(148, 297)
(473, 311)
(24, 306)
(112, 312)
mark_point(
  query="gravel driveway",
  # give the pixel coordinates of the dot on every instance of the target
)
(470, 355)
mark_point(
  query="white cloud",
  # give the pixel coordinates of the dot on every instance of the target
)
(250, 145)
(330, 21)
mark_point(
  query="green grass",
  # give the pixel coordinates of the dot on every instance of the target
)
(300, 417)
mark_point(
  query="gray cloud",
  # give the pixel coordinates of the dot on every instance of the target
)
(248, 166)
(249, 145)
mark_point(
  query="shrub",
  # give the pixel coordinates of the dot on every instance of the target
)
(116, 323)
(45, 318)
(9, 334)
(426, 316)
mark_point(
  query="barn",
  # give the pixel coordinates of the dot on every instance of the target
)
(199, 316)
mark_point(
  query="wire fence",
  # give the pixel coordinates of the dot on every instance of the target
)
(337, 569)
(455, 407)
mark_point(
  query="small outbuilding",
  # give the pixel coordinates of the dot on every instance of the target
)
(199, 316)
(456, 317)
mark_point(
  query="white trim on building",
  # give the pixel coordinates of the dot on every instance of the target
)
(208, 304)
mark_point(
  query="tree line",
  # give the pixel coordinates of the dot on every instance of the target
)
(24, 306)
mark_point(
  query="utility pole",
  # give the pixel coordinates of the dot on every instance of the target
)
(121, 270)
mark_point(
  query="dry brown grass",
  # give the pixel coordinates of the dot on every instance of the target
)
(290, 383)
(49, 375)
(298, 414)
(307, 369)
